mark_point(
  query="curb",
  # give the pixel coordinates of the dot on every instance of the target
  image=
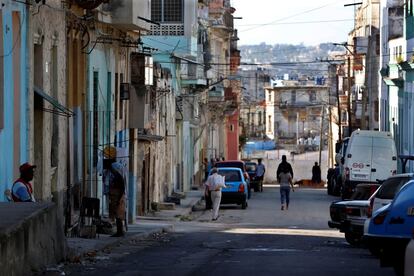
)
(73, 253)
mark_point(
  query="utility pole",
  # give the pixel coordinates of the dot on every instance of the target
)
(365, 93)
(339, 108)
(330, 144)
(320, 135)
(349, 97)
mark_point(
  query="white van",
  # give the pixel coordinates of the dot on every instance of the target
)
(371, 156)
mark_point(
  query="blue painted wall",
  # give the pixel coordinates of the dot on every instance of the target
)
(8, 158)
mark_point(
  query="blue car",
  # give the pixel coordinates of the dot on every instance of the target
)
(391, 227)
(236, 191)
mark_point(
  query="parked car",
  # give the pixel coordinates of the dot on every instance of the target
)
(390, 229)
(236, 187)
(387, 191)
(251, 170)
(236, 164)
(349, 215)
(409, 258)
(371, 156)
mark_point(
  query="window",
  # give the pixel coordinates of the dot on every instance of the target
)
(232, 128)
(116, 96)
(270, 124)
(270, 96)
(312, 96)
(409, 9)
(167, 11)
(293, 97)
(54, 153)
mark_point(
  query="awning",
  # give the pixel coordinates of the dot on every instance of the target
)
(61, 110)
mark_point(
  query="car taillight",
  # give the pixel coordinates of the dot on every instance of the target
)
(241, 188)
(347, 173)
(380, 218)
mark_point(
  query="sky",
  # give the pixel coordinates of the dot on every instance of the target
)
(293, 22)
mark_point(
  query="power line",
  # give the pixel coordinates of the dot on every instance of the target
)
(300, 22)
(289, 17)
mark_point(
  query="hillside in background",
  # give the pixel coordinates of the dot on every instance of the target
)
(296, 54)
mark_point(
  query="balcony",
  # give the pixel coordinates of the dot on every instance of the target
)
(216, 94)
(128, 14)
(192, 73)
(224, 21)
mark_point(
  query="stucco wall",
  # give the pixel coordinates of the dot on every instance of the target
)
(48, 31)
(31, 237)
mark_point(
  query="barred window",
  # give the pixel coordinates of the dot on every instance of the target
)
(167, 11)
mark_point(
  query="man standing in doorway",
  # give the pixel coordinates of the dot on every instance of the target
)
(22, 190)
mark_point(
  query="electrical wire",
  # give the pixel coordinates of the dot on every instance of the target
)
(289, 17)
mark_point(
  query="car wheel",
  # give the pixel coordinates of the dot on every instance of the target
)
(244, 205)
(353, 239)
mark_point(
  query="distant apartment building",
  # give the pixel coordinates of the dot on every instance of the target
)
(295, 111)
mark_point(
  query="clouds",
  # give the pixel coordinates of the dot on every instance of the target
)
(277, 21)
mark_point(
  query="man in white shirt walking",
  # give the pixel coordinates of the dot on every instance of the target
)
(215, 183)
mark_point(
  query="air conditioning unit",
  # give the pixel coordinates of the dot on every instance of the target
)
(139, 110)
(130, 14)
(142, 71)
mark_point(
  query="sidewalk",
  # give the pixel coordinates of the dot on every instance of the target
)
(145, 227)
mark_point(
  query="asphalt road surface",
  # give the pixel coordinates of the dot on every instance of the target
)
(261, 240)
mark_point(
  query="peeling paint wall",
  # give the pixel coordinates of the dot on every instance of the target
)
(47, 131)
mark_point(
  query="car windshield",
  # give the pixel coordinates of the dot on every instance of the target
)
(230, 175)
(250, 167)
(391, 186)
(239, 165)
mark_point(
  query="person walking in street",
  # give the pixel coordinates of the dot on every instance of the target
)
(316, 173)
(115, 189)
(260, 172)
(285, 181)
(206, 167)
(22, 190)
(214, 184)
(284, 166)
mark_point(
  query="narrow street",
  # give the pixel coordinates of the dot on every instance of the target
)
(261, 240)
